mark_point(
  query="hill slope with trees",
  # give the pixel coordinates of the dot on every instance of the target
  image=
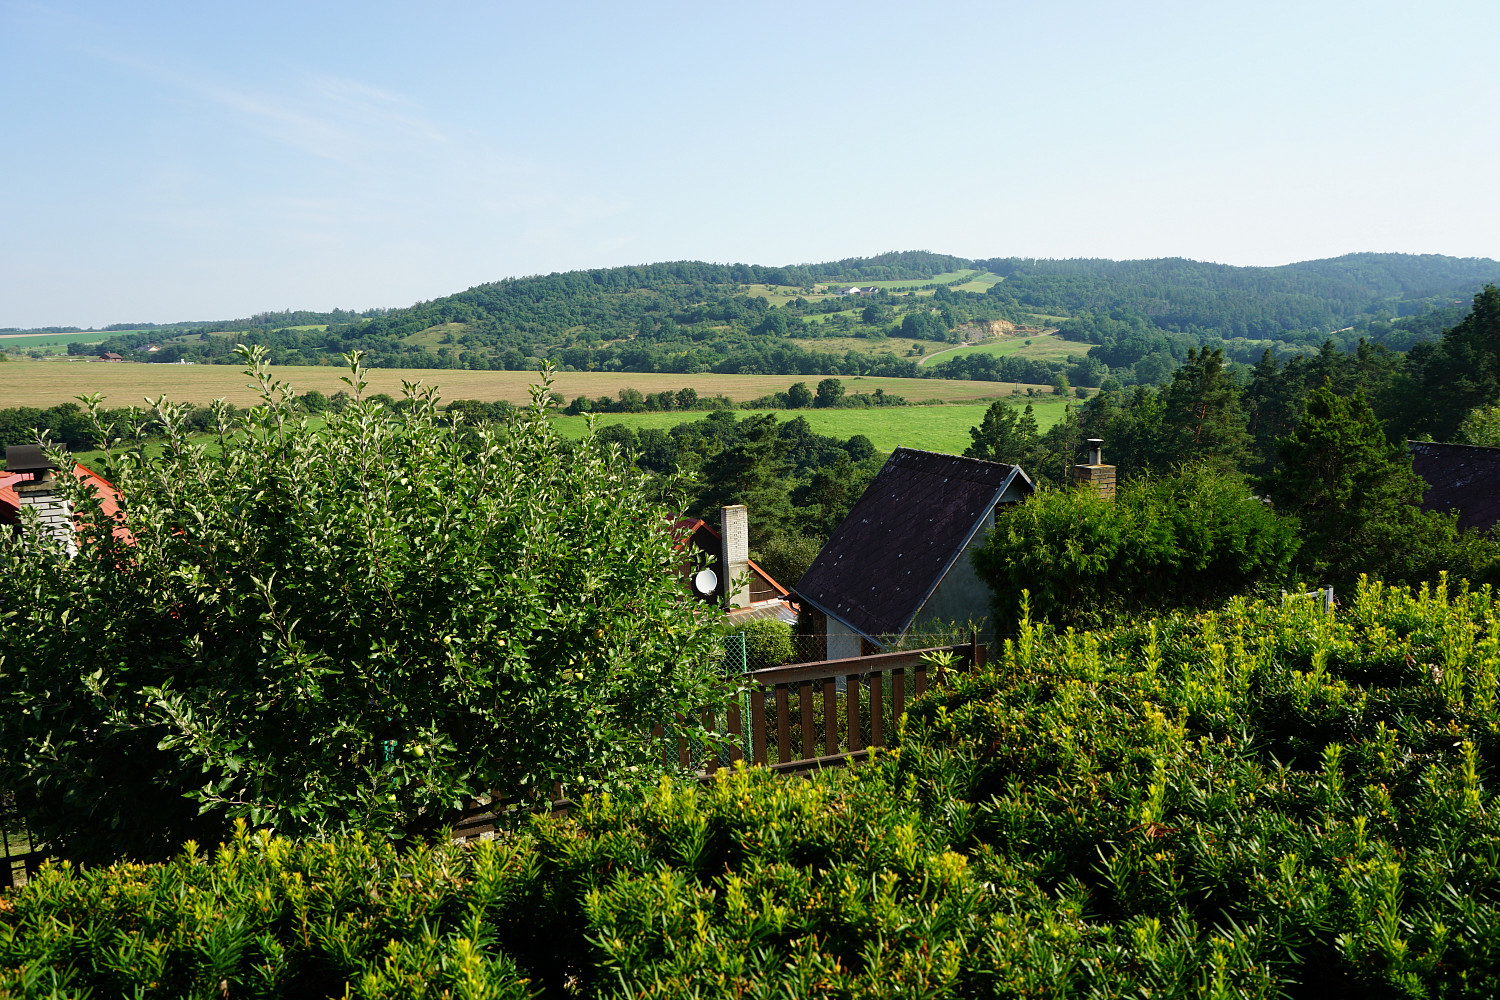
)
(1133, 320)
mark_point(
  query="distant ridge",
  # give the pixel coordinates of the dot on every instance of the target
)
(1133, 320)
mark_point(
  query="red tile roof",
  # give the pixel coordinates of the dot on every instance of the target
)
(10, 500)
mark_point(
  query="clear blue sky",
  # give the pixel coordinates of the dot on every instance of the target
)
(178, 161)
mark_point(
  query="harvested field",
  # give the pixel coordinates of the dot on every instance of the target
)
(47, 383)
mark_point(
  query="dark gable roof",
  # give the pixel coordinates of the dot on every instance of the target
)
(1461, 477)
(901, 536)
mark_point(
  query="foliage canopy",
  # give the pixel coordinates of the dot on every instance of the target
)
(1190, 539)
(1259, 801)
(364, 625)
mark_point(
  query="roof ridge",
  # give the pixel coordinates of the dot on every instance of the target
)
(962, 458)
(1454, 444)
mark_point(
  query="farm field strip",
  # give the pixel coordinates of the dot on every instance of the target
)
(931, 428)
(935, 281)
(861, 345)
(47, 383)
(18, 340)
(981, 283)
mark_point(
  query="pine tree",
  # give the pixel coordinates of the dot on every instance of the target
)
(1446, 380)
(1005, 435)
(1202, 418)
(751, 470)
(1357, 498)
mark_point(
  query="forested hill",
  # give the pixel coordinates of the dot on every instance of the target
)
(1316, 296)
(1133, 320)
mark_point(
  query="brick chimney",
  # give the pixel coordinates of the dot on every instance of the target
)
(41, 494)
(1096, 474)
(735, 559)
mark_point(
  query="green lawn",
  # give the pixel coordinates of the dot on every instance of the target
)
(980, 283)
(931, 428)
(431, 338)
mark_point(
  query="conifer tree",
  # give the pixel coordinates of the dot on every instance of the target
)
(1005, 435)
(1357, 499)
(1202, 418)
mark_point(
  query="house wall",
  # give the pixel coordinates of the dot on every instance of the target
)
(842, 640)
(961, 595)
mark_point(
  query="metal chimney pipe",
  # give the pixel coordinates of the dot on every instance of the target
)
(1096, 451)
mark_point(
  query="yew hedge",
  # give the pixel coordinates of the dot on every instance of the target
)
(1259, 801)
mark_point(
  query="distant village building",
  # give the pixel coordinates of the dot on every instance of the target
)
(724, 562)
(900, 559)
(110, 356)
(30, 481)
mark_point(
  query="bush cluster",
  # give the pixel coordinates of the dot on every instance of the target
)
(265, 916)
(1191, 539)
(1259, 801)
(364, 624)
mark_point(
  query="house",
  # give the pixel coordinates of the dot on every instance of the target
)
(1460, 477)
(725, 556)
(110, 356)
(30, 480)
(901, 557)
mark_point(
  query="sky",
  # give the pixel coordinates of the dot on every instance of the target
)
(164, 162)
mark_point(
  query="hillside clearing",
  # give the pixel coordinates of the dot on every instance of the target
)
(1037, 346)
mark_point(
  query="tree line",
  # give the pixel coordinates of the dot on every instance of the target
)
(1134, 321)
(1320, 439)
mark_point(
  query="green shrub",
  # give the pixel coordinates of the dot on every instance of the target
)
(358, 625)
(1259, 801)
(786, 557)
(768, 643)
(264, 916)
(1191, 540)
(1270, 786)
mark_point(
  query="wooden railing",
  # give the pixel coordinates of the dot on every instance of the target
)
(843, 708)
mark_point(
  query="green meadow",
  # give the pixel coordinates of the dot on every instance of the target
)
(15, 341)
(932, 282)
(931, 428)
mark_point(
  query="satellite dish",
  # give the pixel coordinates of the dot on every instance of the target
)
(704, 581)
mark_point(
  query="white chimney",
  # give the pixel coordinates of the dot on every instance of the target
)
(735, 559)
(54, 512)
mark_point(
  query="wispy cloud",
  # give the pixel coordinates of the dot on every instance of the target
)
(327, 116)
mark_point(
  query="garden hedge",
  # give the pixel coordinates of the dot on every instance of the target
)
(1260, 801)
